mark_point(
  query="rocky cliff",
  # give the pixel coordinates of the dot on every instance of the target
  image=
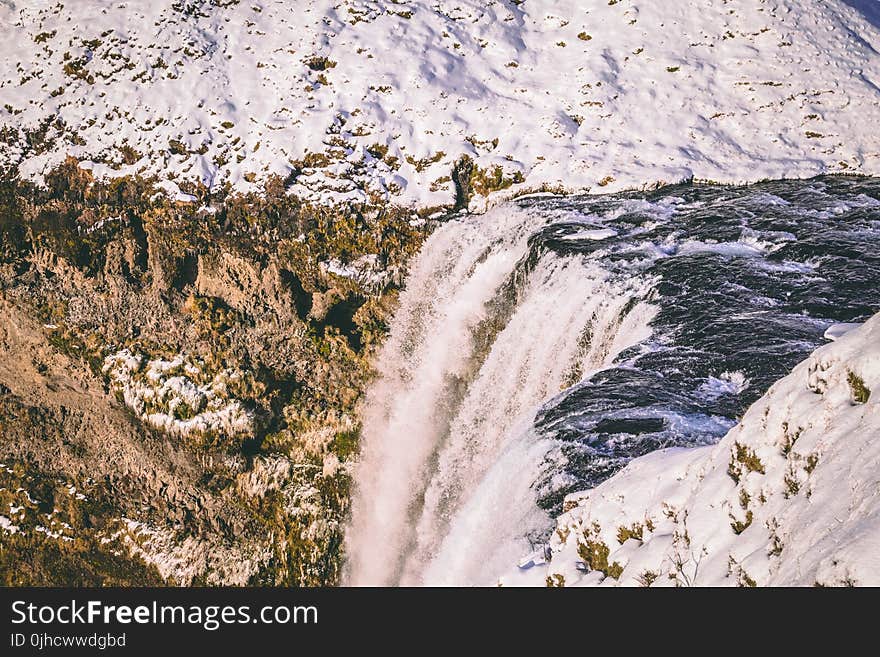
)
(178, 381)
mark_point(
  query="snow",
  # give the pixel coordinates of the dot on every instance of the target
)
(71, 490)
(788, 497)
(157, 392)
(174, 192)
(570, 94)
(836, 331)
(7, 525)
(184, 558)
(366, 270)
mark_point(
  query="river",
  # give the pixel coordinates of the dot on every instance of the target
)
(541, 346)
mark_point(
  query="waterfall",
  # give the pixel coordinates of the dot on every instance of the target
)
(490, 326)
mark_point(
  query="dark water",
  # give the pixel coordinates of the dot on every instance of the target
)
(747, 280)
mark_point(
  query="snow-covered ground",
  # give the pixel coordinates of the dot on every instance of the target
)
(791, 496)
(386, 96)
(177, 395)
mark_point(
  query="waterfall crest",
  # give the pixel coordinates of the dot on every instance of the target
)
(489, 327)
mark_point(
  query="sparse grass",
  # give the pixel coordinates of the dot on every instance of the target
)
(424, 163)
(739, 526)
(555, 581)
(320, 63)
(183, 411)
(76, 68)
(345, 444)
(312, 161)
(745, 580)
(860, 392)
(776, 545)
(440, 183)
(129, 155)
(633, 531)
(647, 578)
(743, 458)
(742, 577)
(594, 553)
(485, 181)
(791, 483)
(42, 37)
(177, 147)
(789, 438)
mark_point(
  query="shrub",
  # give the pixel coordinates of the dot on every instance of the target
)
(743, 457)
(739, 526)
(319, 63)
(860, 392)
(633, 531)
(594, 553)
(555, 581)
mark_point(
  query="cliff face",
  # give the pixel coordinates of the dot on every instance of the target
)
(788, 497)
(353, 100)
(178, 382)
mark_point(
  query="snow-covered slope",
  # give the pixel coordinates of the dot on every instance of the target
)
(386, 96)
(791, 496)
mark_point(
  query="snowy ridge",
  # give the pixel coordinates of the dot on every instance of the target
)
(788, 497)
(363, 100)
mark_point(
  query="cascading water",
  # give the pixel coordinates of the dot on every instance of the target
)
(539, 347)
(469, 359)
